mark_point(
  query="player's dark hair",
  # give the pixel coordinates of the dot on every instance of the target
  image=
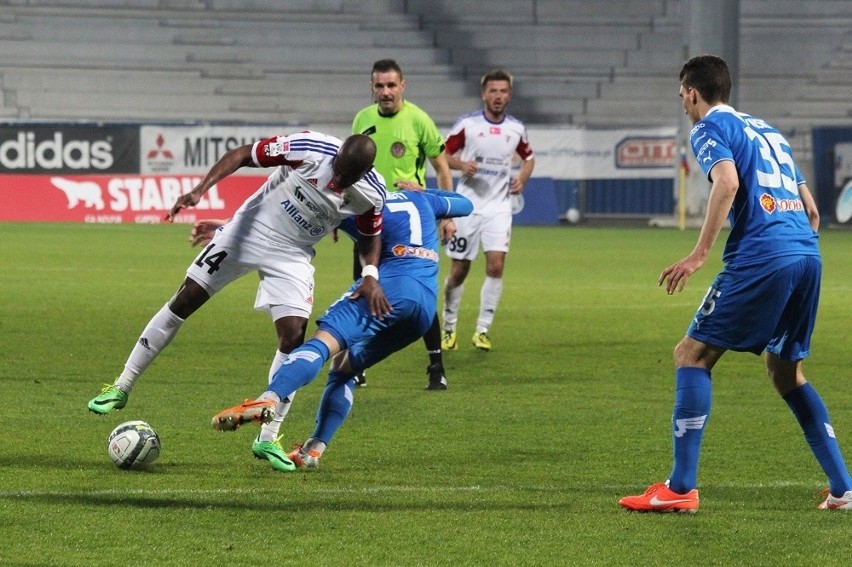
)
(386, 66)
(710, 76)
(496, 75)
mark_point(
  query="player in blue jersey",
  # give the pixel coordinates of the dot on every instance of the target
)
(352, 334)
(766, 296)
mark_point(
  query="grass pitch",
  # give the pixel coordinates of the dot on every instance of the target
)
(520, 462)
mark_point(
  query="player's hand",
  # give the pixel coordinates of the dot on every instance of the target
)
(186, 200)
(446, 230)
(408, 186)
(202, 231)
(676, 275)
(516, 187)
(370, 290)
(469, 168)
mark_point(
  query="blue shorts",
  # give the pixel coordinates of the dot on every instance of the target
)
(370, 339)
(768, 307)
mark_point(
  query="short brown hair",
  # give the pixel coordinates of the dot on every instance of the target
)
(496, 75)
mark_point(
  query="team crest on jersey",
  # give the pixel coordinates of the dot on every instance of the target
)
(768, 203)
(400, 250)
(397, 149)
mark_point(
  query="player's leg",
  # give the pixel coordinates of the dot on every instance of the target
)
(411, 321)
(693, 362)
(160, 331)
(344, 321)
(291, 334)
(267, 445)
(786, 350)
(495, 237)
(812, 415)
(334, 408)
(489, 298)
(215, 267)
(300, 368)
(462, 251)
(435, 370)
(453, 292)
(725, 317)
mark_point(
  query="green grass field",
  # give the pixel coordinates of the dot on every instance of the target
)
(520, 462)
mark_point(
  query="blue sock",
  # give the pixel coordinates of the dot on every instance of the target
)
(300, 368)
(812, 414)
(335, 405)
(692, 406)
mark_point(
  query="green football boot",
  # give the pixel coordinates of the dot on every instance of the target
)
(109, 399)
(273, 452)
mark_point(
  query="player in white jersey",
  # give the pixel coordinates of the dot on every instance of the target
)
(482, 145)
(318, 181)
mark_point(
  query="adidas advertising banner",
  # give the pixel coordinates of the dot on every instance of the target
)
(69, 149)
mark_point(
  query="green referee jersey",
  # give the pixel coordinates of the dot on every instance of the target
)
(404, 141)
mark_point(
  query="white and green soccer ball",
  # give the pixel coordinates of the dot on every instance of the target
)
(133, 445)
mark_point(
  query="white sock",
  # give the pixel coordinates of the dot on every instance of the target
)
(269, 431)
(489, 297)
(452, 301)
(160, 331)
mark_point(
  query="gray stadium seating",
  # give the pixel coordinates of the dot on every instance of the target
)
(597, 64)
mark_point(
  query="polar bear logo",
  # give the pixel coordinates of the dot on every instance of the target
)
(88, 192)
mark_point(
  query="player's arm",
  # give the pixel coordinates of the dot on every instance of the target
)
(450, 204)
(442, 171)
(446, 227)
(468, 168)
(369, 249)
(516, 186)
(722, 193)
(810, 205)
(229, 163)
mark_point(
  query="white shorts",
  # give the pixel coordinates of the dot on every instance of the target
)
(493, 232)
(286, 274)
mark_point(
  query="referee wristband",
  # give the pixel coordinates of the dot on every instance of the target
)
(370, 270)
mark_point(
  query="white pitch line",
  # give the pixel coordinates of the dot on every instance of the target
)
(235, 491)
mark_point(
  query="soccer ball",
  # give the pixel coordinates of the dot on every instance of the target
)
(572, 215)
(133, 445)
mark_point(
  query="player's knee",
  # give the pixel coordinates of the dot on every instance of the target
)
(188, 299)
(290, 339)
(685, 355)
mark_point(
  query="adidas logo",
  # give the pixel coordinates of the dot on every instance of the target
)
(144, 342)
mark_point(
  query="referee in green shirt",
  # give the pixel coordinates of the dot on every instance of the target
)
(405, 137)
